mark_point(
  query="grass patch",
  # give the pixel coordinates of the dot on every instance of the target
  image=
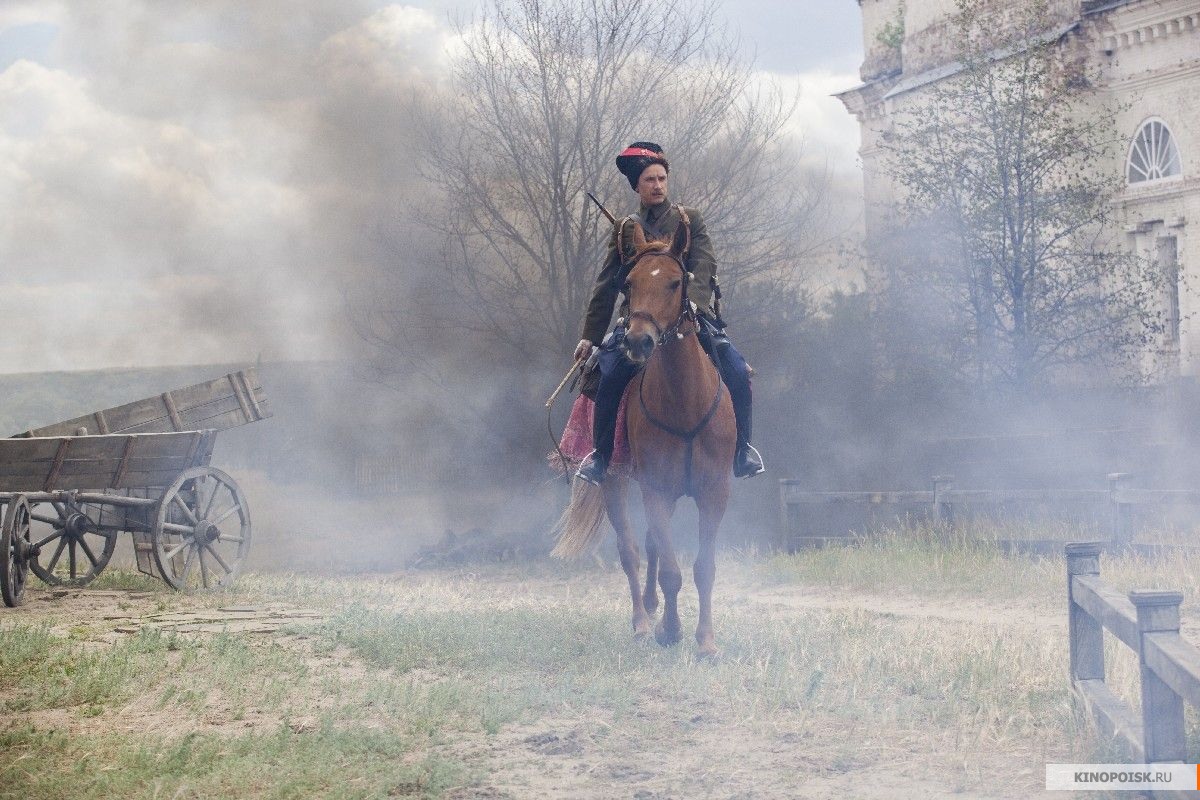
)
(966, 561)
(40, 671)
(859, 666)
(329, 762)
(126, 580)
(412, 681)
(924, 560)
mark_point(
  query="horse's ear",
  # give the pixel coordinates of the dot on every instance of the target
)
(681, 240)
(639, 237)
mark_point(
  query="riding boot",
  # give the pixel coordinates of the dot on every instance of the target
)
(615, 373)
(593, 468)
(736, 374)
(604, 430)
(746, 461)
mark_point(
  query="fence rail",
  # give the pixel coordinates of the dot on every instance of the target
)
(380, 475)
(1117, 502)
(1148, 623)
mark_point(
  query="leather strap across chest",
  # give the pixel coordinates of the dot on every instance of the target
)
(688, 436)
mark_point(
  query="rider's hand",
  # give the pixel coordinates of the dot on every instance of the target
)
(583, 349)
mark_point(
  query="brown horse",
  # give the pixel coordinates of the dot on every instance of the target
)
(681, 437)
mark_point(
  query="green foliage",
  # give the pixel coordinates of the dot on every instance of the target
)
(1006, 258)
(891, 33)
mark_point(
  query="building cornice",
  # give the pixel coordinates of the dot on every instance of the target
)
(1150, 29)
(865, 100)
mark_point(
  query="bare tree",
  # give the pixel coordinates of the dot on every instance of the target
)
(545, 94)
(1006, 223)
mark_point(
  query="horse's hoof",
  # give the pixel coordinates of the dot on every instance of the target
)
(650, 601)
(665, 637)
(642, 628)
(709, 652)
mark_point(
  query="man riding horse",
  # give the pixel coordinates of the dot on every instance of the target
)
(646, 168)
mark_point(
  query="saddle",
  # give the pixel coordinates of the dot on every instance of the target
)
(589, 381)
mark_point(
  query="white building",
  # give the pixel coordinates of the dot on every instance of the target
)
(1147, 53)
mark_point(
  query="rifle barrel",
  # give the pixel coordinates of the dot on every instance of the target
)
(603, 210)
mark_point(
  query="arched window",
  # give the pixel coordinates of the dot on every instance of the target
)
(1153, 155)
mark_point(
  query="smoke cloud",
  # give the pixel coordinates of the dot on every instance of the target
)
(197, 185)
(184, 183)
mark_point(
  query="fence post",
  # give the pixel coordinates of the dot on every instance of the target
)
(943, 511)
(1122, 513)
(1162, 709)
(1086, 633)
(785, 518)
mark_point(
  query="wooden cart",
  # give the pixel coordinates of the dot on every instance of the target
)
(66, 495)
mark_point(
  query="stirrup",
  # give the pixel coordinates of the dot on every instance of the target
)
(748, 462)
(592, 469)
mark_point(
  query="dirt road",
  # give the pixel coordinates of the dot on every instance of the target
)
(496, 692)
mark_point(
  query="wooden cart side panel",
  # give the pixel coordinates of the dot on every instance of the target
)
(226, 402)
(72, 467)
(220, 413)
(28, 450)
(101, 462)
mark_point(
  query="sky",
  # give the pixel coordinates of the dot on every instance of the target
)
(187, 183)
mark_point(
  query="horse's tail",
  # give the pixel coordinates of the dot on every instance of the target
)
(579, 528)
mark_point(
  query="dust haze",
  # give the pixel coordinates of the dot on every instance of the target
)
(233, 183)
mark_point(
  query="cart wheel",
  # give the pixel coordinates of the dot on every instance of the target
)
(69, 550)
(202, 530)
(14, 544)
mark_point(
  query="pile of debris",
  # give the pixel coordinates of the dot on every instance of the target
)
(477, 546)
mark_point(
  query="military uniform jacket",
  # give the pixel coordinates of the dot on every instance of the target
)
(663, 218)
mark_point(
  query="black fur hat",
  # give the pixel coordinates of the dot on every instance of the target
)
(639, 155)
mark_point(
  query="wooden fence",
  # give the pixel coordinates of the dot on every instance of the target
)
(376, 475)
(1113, 507)
(1147, 622)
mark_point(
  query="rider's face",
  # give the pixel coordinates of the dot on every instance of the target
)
(652, 185)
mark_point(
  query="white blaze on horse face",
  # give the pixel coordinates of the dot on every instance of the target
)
(655, 272)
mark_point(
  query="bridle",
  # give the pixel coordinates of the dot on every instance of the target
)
(686, 312)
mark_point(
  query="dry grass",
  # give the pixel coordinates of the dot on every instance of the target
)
(839, 666)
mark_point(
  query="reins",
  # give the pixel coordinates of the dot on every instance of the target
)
(672, 331)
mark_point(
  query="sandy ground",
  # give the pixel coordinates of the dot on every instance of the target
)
(590, 756)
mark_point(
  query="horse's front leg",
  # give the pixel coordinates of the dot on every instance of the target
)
(659, 508)
(712, 508)
(614, 501)
(650, 596)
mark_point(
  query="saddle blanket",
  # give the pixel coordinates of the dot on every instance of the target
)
(576, 440)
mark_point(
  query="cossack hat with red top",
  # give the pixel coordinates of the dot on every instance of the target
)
(639, 155)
